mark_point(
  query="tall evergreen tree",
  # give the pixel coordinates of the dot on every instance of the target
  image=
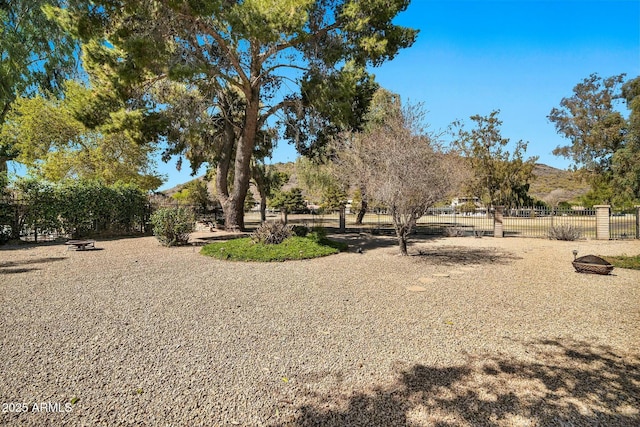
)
(626, 161)
(274, 56)
(595, 129)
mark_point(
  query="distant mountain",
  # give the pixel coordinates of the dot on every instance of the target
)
(546, 180)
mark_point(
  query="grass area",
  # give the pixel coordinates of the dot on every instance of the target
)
(291, 249)
(624, 261)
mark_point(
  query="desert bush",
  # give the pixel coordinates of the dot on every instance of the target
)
(272, 233)
(172, 226)
(453, 232)
(565, 232)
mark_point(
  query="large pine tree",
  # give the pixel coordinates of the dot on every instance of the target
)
(228, 69)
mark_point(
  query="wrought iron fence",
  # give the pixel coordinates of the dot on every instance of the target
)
(624, 226)
(538, 222)
(437, 221)
(522, 222)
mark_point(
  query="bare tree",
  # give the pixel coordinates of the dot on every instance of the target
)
(557, 196)
(404, 169)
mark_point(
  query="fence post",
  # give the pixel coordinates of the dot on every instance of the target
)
(637, 221)
(498, 215)
(602, 222)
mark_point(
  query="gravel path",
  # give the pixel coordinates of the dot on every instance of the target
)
(492, 332)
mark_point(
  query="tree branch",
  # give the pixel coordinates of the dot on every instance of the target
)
(299, 40)
(274, 109)
(235, 61)
(275, 67)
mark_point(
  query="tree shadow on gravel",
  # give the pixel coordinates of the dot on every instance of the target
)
(568, 383)
(16, 270)
(14, 267)
(30, 261)
(15, 245)
(456, 255)
(368, 241)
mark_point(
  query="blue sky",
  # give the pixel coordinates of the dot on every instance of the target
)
(521, 57)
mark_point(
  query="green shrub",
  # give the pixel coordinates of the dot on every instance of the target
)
(272, 233)
(172, 226)
(294, 248)
(300, 230)
(565, 232)
(74, 207)
(317, 234)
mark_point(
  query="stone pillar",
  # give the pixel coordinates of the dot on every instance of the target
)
(343, 221)
(602, 222)
(498, 216)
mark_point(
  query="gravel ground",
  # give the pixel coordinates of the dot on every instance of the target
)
(491, 332)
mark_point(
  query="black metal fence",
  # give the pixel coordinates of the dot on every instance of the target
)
(624, 226)
(538, 222)
(523, 222)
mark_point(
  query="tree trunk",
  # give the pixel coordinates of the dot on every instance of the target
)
(222, 175)
(261, 185)
(242, 166)
(401, 232)
(234, 214)
(231, 220)
(363, 206)
(403, 226)
(263, 207)
(361, 212)
(402, 242)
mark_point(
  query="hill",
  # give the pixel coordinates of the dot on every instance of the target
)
(548, 179)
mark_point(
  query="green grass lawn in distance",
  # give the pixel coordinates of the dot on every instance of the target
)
(624, 261)
(292, 248)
